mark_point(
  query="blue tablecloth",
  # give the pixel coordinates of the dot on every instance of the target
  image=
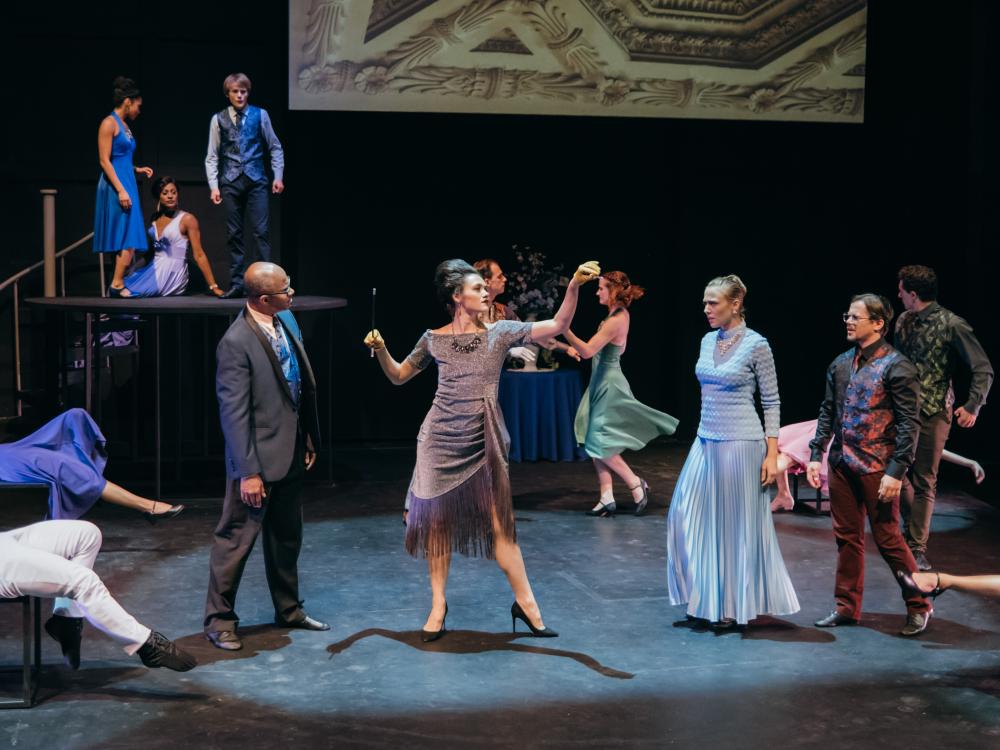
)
(539, 408)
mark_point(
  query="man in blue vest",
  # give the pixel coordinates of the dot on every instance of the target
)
(239, 138)
(870, 411)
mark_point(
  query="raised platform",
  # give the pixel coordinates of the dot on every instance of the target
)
(182, 305)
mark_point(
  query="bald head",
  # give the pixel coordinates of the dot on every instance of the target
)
(268, 288)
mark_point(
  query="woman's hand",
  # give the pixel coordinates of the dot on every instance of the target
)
(571, 352)
(217, 290)
(587, 272)
(978, 472)
(124, 200)
(374, 340)
(147, 171)
(769, 470)
(522, 353)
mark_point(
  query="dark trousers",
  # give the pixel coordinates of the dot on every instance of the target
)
(852, 497)
(920, 483)
(245, 201)
(279, 522)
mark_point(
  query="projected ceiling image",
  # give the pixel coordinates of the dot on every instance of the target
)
(722, 59)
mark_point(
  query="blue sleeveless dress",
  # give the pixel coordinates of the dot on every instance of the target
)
(114, 228)
(610, 419)
(67, 454)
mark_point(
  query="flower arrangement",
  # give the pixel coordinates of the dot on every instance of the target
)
(533, 289)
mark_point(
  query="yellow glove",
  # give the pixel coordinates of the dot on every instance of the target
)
(374, 340)
(587, 272)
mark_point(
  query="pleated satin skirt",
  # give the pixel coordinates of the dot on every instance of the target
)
(723, 558)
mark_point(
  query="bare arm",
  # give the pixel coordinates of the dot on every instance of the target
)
(605, 334)
(105, 135)
(544, 330)
(191, 230)
(396, 373)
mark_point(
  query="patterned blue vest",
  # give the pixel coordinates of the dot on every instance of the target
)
(868, 426)
(241, 150)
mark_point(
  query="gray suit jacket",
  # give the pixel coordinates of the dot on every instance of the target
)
(259, 419)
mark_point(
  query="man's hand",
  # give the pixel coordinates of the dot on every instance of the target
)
(277, 187)
(374, 340)
(523, 353)
(813, 469)
(587, 272)
(252, 490)
(964, 418)
(888, 488)
(310, 459)
(216, 196)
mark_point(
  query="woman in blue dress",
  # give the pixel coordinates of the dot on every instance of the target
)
(173, 232)
(68, 455)
(723, 558)
(610, 419)
(118, 224)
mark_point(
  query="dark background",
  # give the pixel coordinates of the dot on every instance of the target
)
(806, 214)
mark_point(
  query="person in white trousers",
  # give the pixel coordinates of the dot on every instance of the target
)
(55, 559)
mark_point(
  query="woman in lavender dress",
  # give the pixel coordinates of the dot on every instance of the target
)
(67, 453)
(723, 558)
(459, 498)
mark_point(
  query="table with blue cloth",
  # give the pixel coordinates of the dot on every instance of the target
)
(539, 409)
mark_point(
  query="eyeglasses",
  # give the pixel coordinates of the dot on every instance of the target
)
(850, 318)
(286, 290)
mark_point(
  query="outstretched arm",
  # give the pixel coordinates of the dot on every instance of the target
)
(191, 229)
(396, 372)
(968, 463)
(544, 330)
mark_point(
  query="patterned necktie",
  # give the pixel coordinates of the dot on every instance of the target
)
(289, 367)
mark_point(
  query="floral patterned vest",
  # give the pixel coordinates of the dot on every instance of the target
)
(926, 343)
(868, 426)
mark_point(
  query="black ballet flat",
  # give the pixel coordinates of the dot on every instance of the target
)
(606, 510)
(910, 587)
(154, 517)
(516, 613)
(428, 636)
(640, 507)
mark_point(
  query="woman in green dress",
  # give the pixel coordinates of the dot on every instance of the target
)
(610, 419)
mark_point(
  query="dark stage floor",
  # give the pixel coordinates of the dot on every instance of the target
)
(626, 671)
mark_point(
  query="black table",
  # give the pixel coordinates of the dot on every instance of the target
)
(157, 308)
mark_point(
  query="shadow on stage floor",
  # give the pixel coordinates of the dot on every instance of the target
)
(627, 670)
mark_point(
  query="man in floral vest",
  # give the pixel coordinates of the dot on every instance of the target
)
(870, 411)
(934, 339)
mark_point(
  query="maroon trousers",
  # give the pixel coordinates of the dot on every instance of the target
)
(852, 497)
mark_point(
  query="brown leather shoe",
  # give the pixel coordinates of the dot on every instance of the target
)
(916, 623)
(227, 640)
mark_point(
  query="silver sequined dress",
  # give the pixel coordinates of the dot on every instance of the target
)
(461, 477)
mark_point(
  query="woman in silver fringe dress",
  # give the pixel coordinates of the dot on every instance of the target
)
(459, 498)
(723, 558)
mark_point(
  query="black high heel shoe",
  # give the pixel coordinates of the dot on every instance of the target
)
(154, 517)
(516, 613)
(640, 507)
(428, 636)
(605, 510)
(910, 587)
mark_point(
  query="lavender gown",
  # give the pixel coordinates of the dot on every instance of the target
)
(461, 476)
(67, 454)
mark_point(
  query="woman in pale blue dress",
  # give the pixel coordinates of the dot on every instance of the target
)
(723, 558)
(172, 233)
(118, 226)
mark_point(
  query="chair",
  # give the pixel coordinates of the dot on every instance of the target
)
(31, 641)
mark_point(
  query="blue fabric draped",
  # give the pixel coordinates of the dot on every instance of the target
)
(539, 409)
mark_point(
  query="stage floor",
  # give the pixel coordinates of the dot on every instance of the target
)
(626, 671)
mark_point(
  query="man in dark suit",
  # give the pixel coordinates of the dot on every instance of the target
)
(267, 405)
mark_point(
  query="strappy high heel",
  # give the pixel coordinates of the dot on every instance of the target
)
(427, 636)
(910, 587)
(153, 517)
(604, 510)
(516, 613)
(640, 506)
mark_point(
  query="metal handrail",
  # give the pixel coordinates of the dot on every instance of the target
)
(35, 266)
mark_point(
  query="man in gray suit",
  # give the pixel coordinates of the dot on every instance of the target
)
(267, 405)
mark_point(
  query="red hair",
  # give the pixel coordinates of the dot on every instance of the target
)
(621, 291)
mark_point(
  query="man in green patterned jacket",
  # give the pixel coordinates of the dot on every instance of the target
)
(934, 339)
